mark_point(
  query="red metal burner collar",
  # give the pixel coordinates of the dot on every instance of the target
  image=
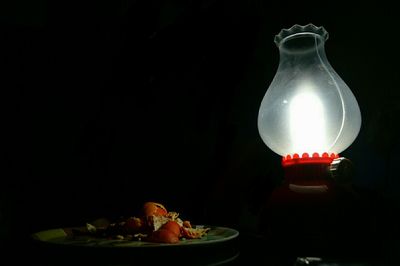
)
(305, 158)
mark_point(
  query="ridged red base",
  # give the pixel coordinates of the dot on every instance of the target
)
(305, 158)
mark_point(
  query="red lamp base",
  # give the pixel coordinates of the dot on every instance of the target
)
(306, 170)
(302, 210)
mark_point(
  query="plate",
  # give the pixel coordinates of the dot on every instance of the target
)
(61, 236)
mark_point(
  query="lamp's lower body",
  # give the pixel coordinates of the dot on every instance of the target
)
(317, 220)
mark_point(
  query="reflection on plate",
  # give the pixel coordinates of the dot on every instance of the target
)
(60, 236)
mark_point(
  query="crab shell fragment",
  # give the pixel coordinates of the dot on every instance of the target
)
(154, 208)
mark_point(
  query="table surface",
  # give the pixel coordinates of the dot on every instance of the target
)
(245, 250)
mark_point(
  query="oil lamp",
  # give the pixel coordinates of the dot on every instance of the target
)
(308, 116)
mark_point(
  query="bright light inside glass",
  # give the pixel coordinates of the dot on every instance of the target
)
(307, 123)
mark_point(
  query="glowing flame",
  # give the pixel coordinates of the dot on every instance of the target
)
(307, 123)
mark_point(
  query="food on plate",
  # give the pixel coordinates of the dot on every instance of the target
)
(154, 208)
(133, 225)
(173, 227)
(155, 224)
(163, 236)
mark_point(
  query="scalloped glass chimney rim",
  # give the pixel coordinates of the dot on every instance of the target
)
(304, 44)
(299, 35)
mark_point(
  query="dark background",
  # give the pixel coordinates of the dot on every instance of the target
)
(107, 105)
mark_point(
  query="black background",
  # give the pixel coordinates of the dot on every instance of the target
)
(106, 105)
